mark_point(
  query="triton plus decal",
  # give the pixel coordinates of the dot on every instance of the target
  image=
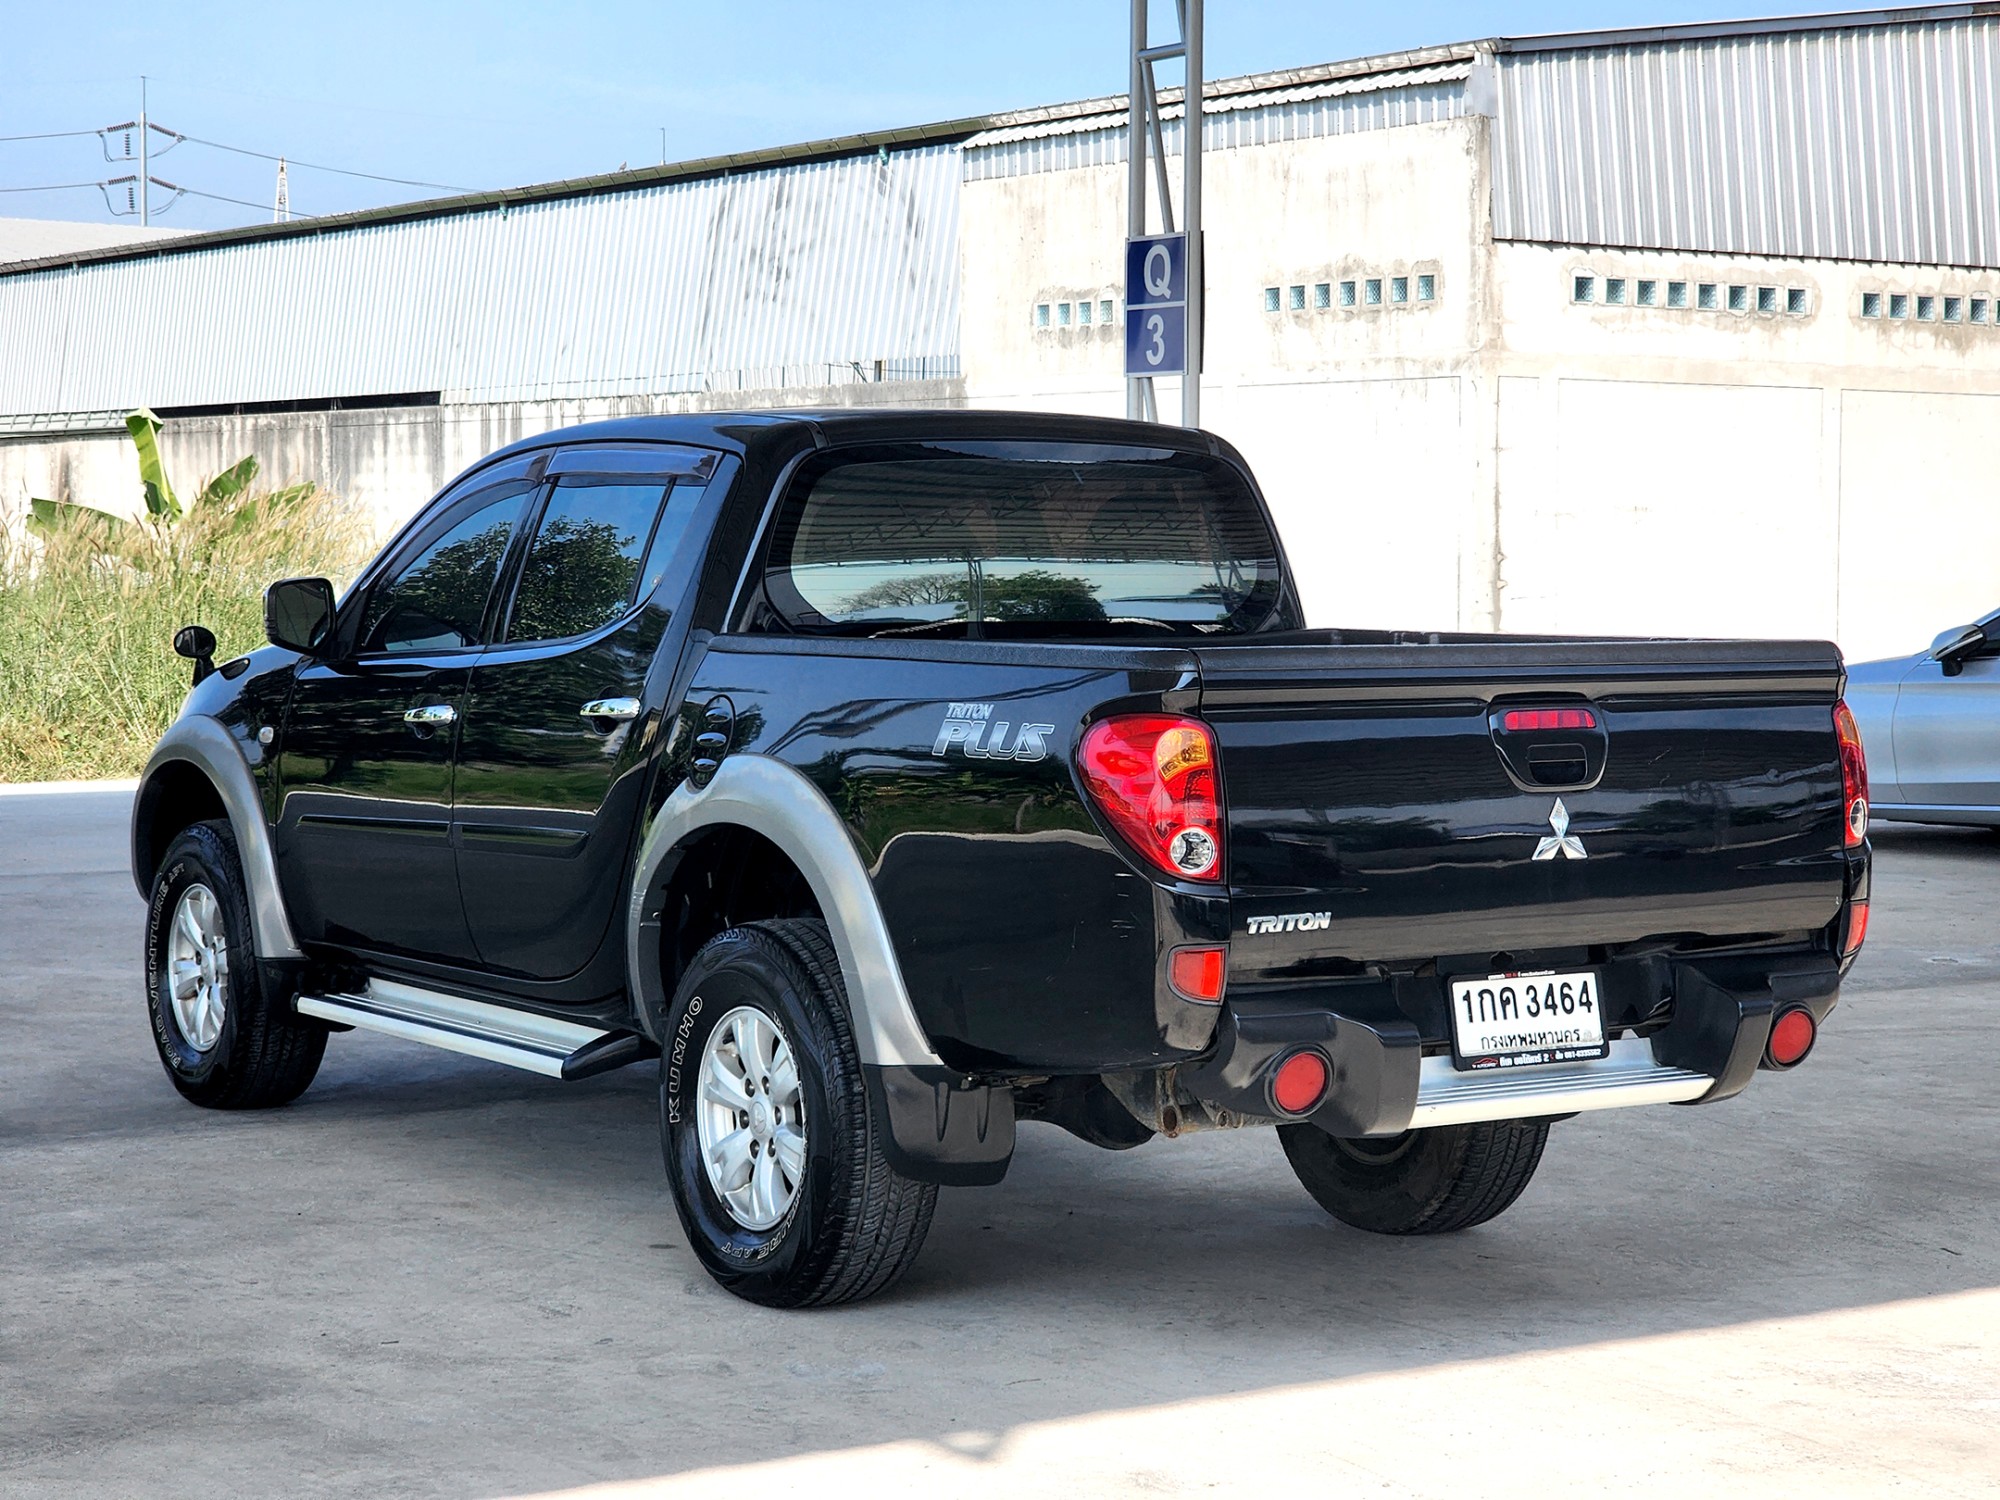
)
(1295, 921)
(972, 727)
(1562, 841)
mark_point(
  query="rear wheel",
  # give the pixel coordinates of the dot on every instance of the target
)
(1422, 1181)
(774, 1156)
(223, 1022)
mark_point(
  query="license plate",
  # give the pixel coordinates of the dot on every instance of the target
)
(1525, 1020)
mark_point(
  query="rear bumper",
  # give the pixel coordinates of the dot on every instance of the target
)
(1384, 1084)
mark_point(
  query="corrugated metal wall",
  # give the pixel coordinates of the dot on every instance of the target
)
(1411, 98)
(780, 277)
(1875, 144)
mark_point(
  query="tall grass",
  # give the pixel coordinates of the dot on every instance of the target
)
(88, 676)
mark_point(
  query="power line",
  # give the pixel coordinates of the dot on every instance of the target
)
(53, 187)
(317, 167)
(218, 197)
(48, 135)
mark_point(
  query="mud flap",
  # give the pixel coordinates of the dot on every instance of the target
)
(942, 1127)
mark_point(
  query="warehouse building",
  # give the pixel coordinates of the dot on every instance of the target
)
(1690, 329)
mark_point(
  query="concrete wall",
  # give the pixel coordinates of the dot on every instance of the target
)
(1368, 427)
(389, 462)
(1671, 470)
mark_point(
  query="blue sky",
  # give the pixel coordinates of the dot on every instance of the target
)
(506, 92)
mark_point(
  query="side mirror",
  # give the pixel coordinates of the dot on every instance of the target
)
(197, 644)
(298, 614)
(1951, 648)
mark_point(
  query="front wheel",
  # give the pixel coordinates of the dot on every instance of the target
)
(1421, 1182)
(774, 1157)
(222, 1021)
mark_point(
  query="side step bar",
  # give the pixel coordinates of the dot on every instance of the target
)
(1629, 1075)
(496, 1033)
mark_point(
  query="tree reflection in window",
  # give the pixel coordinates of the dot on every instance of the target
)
(583, 564)
(438, 601)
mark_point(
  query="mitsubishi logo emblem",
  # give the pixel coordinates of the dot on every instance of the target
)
(1562, 841)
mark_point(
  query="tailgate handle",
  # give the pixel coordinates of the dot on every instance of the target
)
(1558, 765)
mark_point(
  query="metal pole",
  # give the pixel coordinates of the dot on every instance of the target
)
(1191, 210)
(1135, 181)
(144, 170)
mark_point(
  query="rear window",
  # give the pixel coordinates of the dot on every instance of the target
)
(1022, 540)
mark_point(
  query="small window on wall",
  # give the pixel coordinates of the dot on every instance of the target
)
(1347, 293)
(1677, 294)
(1062, 315)
(1041, 315)
(1399, 289)
(1583, 289)
(1976, 309)
(1707, 296)
(1649, 294)
(1926, 308)
(1374, 290)
(1614, 290)
(1427, 287)
(1083, 311)
(1795, 301)
(1295, 298)
(1322, 294)
(1954, 309)
(600, 547)
(1899, 304)
(1739, 299)
(1871, 304)
(1767, 299)
(1270, 300)
(1104, 310)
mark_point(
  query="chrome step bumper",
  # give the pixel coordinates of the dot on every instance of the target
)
(1628, 1076)
(496, 1033)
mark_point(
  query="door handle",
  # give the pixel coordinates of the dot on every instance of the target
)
(430, 715)
(610, 708)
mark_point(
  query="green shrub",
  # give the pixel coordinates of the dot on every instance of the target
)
(88, 609)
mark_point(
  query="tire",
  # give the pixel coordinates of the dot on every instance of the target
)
(1433, 1181)
(237, 1044)
(834, 1221)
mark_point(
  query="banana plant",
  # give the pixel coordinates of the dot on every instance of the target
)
(230, 488)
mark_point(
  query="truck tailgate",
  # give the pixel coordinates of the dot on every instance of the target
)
(1367, 795)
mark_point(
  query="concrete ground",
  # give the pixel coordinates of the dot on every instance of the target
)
(437, 1277)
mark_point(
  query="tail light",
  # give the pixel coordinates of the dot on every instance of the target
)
(1853, 774)
(1154, 777)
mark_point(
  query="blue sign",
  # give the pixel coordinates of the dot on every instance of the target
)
(1156, 305)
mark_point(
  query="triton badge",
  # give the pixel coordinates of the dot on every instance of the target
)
(1292, 921)
(1562, 841)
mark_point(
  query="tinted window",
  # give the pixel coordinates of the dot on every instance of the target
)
(437, 600)
(601, 545)
(1023, 539)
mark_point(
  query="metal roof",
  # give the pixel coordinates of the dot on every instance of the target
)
(803, 154)
(776, 277)
(1872, 136)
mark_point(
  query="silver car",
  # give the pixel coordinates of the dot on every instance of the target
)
(1930, 725)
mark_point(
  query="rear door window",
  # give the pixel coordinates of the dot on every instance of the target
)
(600, 547)
(1022, 539)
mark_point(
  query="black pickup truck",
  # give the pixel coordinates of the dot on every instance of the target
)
(894, 777)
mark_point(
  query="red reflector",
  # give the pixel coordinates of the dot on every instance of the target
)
(1791, 1037)
(1196, 973)
(1300, 1084)
(1548, 718)
(1857, 928)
